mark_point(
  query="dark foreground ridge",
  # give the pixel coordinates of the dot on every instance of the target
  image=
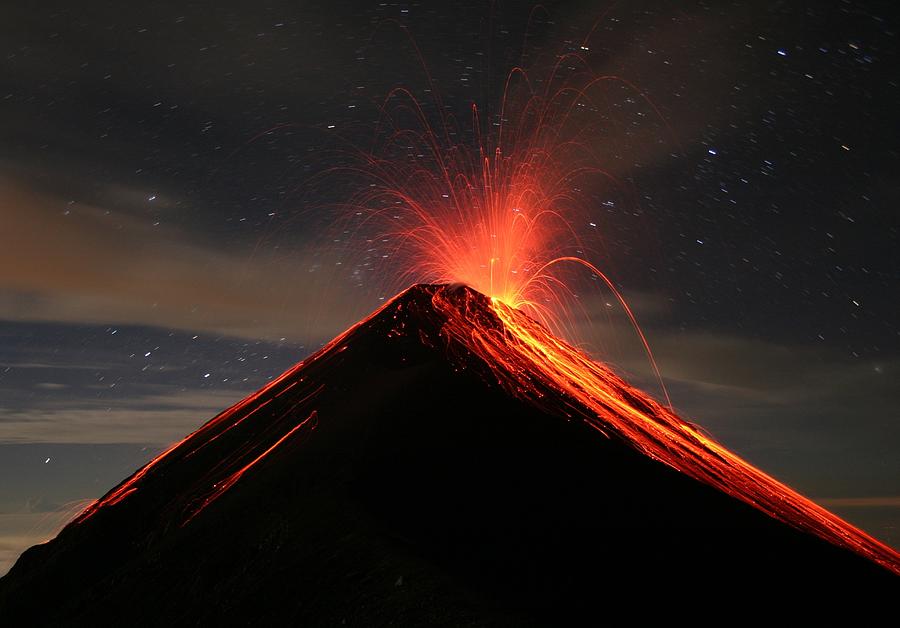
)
(389, 479)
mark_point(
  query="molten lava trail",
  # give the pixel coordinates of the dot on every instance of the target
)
(228, 471)
(534, 365)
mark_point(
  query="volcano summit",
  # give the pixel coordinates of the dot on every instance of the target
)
(445, 461)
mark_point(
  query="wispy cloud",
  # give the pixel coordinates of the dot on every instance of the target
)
(67, 262)
(151, 419)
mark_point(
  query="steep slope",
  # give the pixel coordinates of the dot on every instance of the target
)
(445, 461)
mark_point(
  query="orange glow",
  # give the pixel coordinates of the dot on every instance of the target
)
(513, 210)
(500, 210)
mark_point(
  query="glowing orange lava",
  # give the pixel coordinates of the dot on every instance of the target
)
(504, 211)
(502, 214)
(510, 349)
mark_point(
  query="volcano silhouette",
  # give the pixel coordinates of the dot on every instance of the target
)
(401, 476)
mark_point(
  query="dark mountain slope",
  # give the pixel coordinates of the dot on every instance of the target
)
(391, 480)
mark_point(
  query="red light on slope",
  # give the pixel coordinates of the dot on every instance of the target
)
(520, 355)
(530, 363)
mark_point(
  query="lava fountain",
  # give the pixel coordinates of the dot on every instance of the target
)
(504, 211)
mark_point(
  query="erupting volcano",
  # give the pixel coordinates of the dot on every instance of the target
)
(448, 460)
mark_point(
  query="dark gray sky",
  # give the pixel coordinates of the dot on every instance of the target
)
(160, 255)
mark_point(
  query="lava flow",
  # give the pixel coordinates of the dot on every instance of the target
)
(507, 348)
(532, 364)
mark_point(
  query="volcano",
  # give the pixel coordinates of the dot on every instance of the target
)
(445, 461)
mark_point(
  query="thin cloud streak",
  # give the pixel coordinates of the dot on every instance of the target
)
(154, 419)
(84, 264)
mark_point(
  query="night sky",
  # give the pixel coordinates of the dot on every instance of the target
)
(161, 255)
